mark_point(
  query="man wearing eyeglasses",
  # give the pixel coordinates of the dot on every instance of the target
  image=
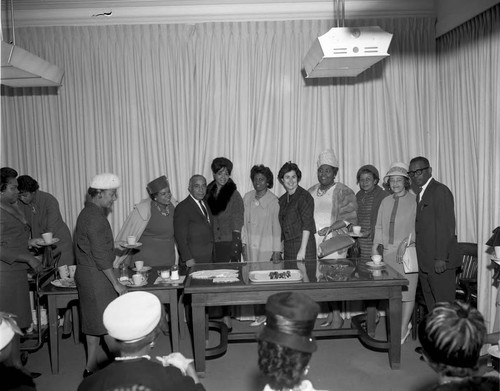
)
(435, 234)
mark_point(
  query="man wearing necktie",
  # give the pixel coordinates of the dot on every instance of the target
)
(193, 229)
(435, 234)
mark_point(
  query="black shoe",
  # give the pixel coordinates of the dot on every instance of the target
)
(419, 350)
(87, 373)
(35, 375)
(422, 358)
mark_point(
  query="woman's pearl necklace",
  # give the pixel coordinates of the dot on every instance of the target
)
(320, 192)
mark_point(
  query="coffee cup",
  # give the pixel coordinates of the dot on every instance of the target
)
(356, 229)
(497, 252)
(165, 274)
(131, 240)
(63, 272)
(138, 279)
(377, 259)
(139, 265)
(72, 271)
(377, 273)
(47, 237)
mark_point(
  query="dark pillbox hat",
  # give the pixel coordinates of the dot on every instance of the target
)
(158, 184)
(290, 321)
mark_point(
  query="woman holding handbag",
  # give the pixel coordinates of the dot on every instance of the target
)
(395, 224)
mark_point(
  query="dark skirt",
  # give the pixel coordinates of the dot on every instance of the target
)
(14, 296)
(292, 247)
(95, 292)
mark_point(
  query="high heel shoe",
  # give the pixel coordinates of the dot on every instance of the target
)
(408, 331)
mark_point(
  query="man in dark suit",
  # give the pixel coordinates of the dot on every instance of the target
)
(435, 234)
(193, 225)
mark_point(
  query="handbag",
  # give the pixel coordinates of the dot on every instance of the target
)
(339, 241)
(410, 261)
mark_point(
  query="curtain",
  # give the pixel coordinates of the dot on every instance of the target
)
(469, 127)
(147, 100)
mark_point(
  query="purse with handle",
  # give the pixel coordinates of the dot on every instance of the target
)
(339, 241)
(410, 260)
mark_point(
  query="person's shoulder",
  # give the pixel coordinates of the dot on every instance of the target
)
(313, 188)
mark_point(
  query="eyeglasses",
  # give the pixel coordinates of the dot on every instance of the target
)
(418, 172)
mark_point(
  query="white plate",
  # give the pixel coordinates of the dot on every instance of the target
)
(264, 276)
(493, 350)
(64, 283)
(43, 243)
(160, 280)
(131, 246)
(144, 269)
(130, 283)
(371, 264)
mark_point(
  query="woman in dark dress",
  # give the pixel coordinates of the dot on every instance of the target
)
(227, 208)
(94, 250)
(152, 223)
(296, 215)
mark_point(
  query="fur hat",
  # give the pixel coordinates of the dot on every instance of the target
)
(105, 181)
(290, 321)
(328, 157)
(158, 184)
(132, 316)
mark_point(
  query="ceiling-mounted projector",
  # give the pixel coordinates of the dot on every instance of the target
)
(346, 51)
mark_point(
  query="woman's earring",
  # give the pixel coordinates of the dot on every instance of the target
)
(306, 370)
(152, 345)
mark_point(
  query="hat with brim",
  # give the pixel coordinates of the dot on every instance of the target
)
(157, 185)
(397, 169)
(132, 316)
(106, 181)
(290, 320)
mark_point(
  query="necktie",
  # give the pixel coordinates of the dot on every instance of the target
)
(204, 210)
(418, 195)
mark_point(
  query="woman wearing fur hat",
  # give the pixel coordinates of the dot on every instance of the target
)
(335, 207)
(134, 321)
(395, 223)
(152, 223)
(369, 198)
(227, 208)
(94, 251)
(286, 343)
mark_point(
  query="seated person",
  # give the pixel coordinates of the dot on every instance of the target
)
(12, 378)
(452, 336)
(286, 343)
(135, 320)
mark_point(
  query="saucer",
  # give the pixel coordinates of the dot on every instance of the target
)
(371, 264)
(144, 269)
(43, 243)
(130, 283)
(126, 245)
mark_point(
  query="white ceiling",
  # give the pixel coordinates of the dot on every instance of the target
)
(102, 12)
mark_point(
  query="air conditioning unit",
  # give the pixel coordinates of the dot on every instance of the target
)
(346, 51)
(21, 68)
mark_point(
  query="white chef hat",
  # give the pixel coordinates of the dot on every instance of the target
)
(132, 316)
(328, 157)
(105, 181)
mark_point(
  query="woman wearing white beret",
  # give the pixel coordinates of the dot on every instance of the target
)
(94, 251)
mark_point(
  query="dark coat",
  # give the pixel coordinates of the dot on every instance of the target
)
(435, 227)
(193, 233)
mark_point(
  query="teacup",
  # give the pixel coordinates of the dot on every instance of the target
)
(377, 273)
(139, 265)
(377, 259)
(138, 279)
(131, 240)
(356, 229)
(47, 237)
(63, 272)
(72, 271)
(165, 274)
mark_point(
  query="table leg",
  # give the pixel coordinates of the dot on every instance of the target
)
(53, 334)
(199, 337)
(75, 318)
(174, 320)
(371, 317)
(394, 329)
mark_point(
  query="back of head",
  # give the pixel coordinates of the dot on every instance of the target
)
(27, 183)
(452, 335)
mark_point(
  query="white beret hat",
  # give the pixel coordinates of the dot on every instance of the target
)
(328, 157)
(105, 181)
(132, 316)
(8, 327)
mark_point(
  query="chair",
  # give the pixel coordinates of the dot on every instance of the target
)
(466, 282)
